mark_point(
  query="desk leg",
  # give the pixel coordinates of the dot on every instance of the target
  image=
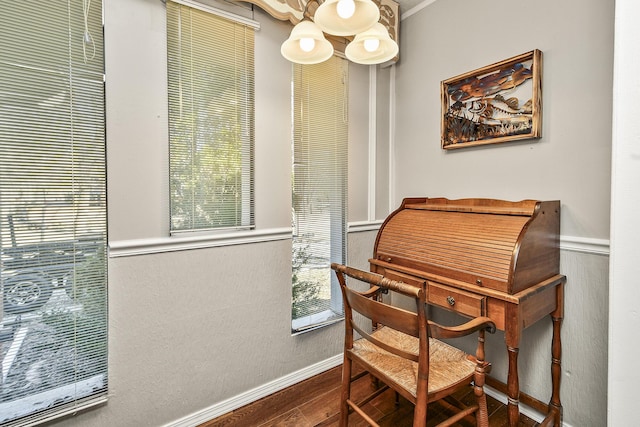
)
(512, 339)
(554, 414)
(513, 387)
(555, 407)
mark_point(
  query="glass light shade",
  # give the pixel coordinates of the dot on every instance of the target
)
(365, 15)
(292, 50)
(387, 48)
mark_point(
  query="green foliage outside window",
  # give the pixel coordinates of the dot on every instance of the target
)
(305, 291)
(206, 177)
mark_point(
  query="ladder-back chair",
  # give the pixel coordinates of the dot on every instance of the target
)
(404, 350)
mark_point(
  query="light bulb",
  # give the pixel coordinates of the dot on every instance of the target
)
(371, 45)
(346, 8)
(307, 44)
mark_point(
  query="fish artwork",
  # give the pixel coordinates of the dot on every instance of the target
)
(496, 103)
(487, 106)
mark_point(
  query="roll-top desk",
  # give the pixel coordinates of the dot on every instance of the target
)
(483, 257)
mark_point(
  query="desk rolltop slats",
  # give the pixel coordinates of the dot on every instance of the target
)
(506, 246)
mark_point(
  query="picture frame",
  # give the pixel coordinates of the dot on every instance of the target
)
(497, 103)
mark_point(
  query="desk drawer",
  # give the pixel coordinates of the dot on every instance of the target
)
(457, 300)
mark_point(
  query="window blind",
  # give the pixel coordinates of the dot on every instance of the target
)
(53, 335)
(319, 199)
(211, 120)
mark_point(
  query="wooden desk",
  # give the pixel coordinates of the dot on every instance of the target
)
(483, 257)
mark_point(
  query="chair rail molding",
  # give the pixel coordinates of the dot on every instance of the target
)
(123, 248)
(584, 244)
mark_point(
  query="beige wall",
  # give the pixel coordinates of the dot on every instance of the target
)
(571, 162)
(193, 324)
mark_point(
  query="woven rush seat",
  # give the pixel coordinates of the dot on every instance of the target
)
(448, 365)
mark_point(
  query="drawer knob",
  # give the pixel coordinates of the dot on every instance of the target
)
(451, 300)
(479, 282)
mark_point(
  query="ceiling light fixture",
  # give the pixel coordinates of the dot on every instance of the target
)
(371, 45)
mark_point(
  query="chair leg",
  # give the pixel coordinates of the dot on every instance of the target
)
(482, 416)
(482, 419)
(420, 408)
(346, 392)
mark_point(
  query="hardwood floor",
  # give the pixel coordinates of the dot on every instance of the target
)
(316, 402)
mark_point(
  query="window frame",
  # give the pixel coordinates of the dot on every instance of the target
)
(53, 215)
(320, 113)
(194, 204)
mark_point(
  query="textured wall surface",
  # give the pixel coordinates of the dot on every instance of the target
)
(570, 163)
(192, 328)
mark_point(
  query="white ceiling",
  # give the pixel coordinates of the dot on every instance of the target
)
(407, 5)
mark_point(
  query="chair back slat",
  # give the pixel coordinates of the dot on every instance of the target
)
(390, 316)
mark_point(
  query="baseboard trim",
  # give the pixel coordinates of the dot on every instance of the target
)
(524, 409)
(250, 396)
(221, 408)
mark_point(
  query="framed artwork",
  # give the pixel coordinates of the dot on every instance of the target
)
(497, 103)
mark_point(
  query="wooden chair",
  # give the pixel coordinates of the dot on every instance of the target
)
(404, 351)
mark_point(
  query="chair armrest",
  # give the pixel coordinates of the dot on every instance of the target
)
(474, 325)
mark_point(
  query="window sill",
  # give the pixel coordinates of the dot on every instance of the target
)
(124, 248)
(315, 321)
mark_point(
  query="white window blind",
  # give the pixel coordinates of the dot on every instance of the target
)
(211, 120)
(320, 132)
(53, 335)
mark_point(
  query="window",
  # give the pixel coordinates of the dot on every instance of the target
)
(53, 330)
(211, 120)
(319, 198)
